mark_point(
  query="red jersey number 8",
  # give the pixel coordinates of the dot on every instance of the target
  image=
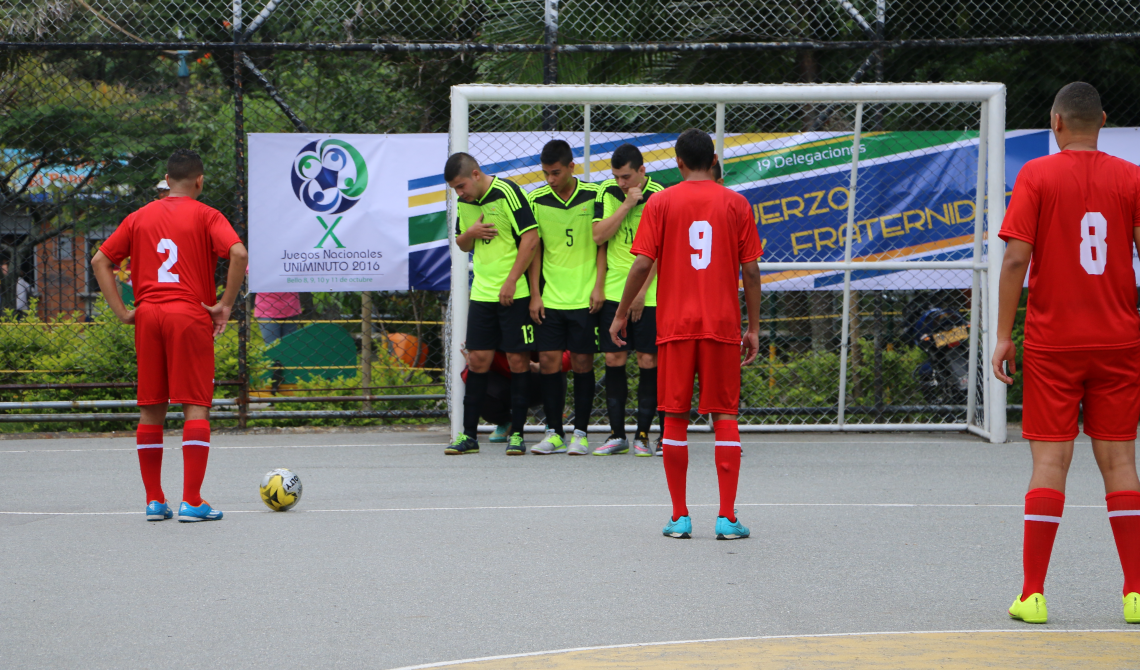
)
(1094, 250)
(165, 276)
(700, 238)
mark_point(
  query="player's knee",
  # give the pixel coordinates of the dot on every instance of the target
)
(616, 358)
(646, 361)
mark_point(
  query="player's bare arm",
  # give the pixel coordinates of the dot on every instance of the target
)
(527, 247)
(537, 311)
(104, 271)
(750, 346)
(1013, 268)
(608, 227)
(638, 306)
(478, 231)
(598, 295)
(220, 312)
(638, 273)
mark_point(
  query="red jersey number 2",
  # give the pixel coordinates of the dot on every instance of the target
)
(700, 239)
(165, 276)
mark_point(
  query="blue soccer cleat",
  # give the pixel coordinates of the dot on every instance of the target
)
(729, 530)
(203, 512)
(158, 511)
(681, 528)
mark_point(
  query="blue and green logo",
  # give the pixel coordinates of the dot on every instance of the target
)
(329, 176)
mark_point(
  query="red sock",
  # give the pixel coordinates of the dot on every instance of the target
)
(675, 447)
(1043, 509)
(727, 432)
(149, 441)
(195, 453)
(1124, 515)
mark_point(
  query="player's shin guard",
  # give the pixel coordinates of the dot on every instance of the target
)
(583, 399)
(617, 392)
(646, 398)
(519, 395)
(473, 396)
(553, 400)
(149, 441)
(1043, 509)
(1124, 515)
(195, 454)
(676, 457)
(727, 433)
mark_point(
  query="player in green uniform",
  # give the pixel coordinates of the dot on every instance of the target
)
(496, 221)
(617, 213)
(565, 309)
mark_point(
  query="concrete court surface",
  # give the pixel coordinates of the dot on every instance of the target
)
(400, 556)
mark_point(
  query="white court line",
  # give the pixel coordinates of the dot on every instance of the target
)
(552, 652)
(537, 507)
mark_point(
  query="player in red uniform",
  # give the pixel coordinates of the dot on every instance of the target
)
(1076, 215)
(174, 244)
(702, 236)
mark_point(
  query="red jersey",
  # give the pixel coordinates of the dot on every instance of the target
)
(174, 245)
(699, 233)
(1078, 209)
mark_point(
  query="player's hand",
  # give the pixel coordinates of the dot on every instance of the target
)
(507, 293)
(597, 299)
(637, 307)
(220, 314)
(128, 318)
(1005, 352)
(749, 346)
(633, 196)
(537, 311)
(617, 330)
(484, 231)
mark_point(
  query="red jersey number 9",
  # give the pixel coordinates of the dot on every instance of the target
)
(165, 276)
(1094, 250)
(700, 238)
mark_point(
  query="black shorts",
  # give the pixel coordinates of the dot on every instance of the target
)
(641, 335)
(492, 326)
(575, 330)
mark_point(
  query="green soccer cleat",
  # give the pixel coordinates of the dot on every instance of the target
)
(515, 445)
(1030, 610)
(551, 444)
(462, 445)
(1132, 608)
(579, 444)
(499, 435)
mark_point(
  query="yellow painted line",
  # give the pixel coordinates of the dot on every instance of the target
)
(427, 198)
(1014, 649)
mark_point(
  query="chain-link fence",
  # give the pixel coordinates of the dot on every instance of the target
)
(94, 95)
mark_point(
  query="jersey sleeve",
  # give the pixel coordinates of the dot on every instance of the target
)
(648, 239)
(1136, 198)
(522, 211)
(1024, 210)
(749, 243)
(222, 235)
(118, 245)
(600, 205)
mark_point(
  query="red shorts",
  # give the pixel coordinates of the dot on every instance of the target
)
(716, 364)
(174, 344)
(1105, 381)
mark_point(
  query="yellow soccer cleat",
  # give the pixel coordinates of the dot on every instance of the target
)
(1132, 607)
(1030, 610)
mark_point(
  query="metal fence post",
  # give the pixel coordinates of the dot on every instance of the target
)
(240, 213)
(976, 286)
(460, 289)
(550, 60)
(366, 346)
(995, 406)
(846, 331)
(586, 143)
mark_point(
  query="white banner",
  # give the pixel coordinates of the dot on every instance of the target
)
(330, 212)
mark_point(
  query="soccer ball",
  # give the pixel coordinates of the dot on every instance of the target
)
(280, 489)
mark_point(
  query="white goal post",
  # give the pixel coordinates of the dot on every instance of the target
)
(984, 415)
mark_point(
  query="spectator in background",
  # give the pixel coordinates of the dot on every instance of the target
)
(276, 314)
(23, 292)
(163, 189)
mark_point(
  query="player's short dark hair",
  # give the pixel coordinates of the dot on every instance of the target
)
(1079, 105)
(556, 151)
(184, 164)
(627, 154)
(459, 165)
(696, 149)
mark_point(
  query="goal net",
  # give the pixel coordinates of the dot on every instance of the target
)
(873, 202)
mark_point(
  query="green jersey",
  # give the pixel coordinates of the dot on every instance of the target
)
(504, 205)
(569, 255)
(618, 257)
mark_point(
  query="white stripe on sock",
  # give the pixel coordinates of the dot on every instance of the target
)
(150, 446)
(725, 443)
(1040, 517)
(1124, 512)
(198, 443)
(675, 443)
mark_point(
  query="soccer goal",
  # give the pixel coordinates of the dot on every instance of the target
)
(873, 201)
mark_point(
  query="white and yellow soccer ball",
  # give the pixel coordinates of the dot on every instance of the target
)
(280, 489)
